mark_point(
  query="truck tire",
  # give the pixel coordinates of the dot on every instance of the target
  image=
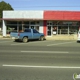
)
(41, 38)
(25, 39)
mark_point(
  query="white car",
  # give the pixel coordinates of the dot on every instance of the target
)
(78, 36)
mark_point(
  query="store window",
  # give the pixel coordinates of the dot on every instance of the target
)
(26, 22)
(37, 22)
(49, 23)
(37, 28)
(63, 29)
(25, 26)
(54, 30)
(11, 26)
(11, 22)
(32, 27)
(55, 22)
(20, 22)
(73, 29)
(32, 23)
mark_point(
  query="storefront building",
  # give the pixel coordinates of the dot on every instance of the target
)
(48, 22)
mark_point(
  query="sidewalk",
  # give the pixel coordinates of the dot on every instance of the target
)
(6, 37)
(54, 37)
(61, 37)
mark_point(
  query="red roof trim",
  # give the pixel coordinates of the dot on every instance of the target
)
(62, 15)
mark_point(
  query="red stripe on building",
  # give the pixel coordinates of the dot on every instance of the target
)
(62, 15)
(45, 27)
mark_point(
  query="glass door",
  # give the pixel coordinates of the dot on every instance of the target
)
(49, 30)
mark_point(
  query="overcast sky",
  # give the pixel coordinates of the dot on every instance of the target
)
(73, 5)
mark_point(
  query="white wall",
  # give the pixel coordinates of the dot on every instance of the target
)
(23, 14)
(41, 27)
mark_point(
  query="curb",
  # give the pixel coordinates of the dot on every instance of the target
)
(47, 38)
(2, 37)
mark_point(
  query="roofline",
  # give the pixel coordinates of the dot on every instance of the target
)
(18, 19)
(29, 19)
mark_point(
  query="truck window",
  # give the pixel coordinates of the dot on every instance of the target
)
(35, 31)
(27, 30)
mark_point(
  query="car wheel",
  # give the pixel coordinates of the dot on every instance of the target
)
(25, 39)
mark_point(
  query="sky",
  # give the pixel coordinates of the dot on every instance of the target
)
(68, 5)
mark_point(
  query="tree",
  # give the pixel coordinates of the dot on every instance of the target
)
(4, 6)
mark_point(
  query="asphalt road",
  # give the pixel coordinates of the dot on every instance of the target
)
(39, 60)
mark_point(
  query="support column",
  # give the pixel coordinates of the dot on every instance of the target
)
(17, 26)
(22, 26)
(4, 28)
(68, 29)
(45, 27)
(57, 29)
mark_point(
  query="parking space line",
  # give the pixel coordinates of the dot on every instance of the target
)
(60, 43)
(31, 42)
(32, 66)
(63, 52)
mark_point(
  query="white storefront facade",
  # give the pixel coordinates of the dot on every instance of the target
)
(22, 19)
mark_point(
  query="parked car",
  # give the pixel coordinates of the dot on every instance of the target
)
(26, 35)
(78, 36)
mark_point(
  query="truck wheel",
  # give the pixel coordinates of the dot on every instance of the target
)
(25, 39)
(41, 38)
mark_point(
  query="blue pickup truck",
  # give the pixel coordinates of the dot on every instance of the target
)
(26, 35)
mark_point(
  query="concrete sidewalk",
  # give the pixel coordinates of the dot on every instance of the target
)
(62, 37)
(6, 37)
(54, 37)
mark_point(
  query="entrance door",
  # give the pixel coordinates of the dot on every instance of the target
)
(49, 30)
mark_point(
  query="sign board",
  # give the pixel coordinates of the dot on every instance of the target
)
(54, 32)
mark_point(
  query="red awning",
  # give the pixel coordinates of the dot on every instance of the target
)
(62, 15)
